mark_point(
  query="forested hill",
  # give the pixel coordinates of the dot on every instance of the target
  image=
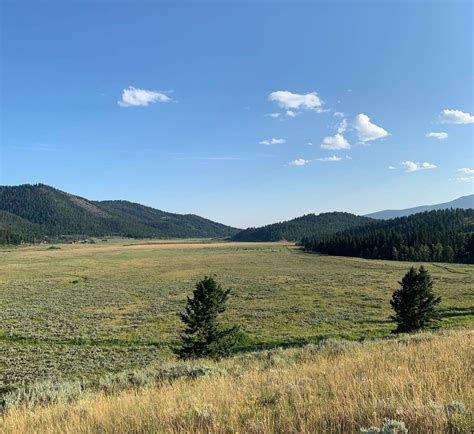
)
(444, 236)
(31, 213)
(300, 227)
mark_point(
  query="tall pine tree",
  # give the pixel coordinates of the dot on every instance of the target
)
(414, 303)
(204, 336)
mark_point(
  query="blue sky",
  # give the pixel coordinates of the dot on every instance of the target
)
(243, 112)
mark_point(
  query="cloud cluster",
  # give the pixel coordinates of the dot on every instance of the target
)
(449, 116)
(437, 135)
(366, 130)
(133, 97)
(289, 100)
(272, 142)
(411, 166)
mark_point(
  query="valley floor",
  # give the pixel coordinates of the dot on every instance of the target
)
(81, 311)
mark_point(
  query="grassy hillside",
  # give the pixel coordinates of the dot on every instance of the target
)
(300, 227)
(420, 381)
(84, 310)
(51, 213)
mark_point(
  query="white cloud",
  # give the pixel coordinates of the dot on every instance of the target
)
(272, 142)
(300, 162)
(336, 142)
(333, 158)
(465, 178)
(392, 167)
(309, 143)
(133, 97)
(289, 100)
(465, 174)
(411, 166)
(437, 135)
(274, 115)
(465, 171)
(338, 114)
(348, 157)
(366, 130)
(291, 113)
(449, 116)
(342, 126)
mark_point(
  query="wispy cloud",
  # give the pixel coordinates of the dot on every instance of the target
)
(133, 97)
(367, 130)
(286, 114)
(342, 127)
(40, 147)
(290, 101)
(392, 168)
(208, 158)
(272, 142)
(450, 116)
(327, 159)
(465, 174)
(441, 135)
(335, 142)
(338, 114)
(411, 166)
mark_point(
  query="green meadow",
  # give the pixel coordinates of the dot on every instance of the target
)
(83, 310)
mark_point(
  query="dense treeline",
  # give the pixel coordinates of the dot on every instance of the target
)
(16, 230)
(444, 236)
(305, 226)
(30, 213)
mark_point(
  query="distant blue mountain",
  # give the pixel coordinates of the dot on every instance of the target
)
(464, 202)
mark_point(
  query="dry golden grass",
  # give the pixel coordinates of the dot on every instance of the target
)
(337, 387)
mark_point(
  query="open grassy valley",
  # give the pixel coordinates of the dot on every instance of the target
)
(236, 217)
(80, 311)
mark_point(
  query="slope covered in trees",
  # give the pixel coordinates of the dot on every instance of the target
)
(34, 212)
(304, 226)
(444, 235)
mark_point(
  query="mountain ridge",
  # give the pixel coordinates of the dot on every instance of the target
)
(463, 202)
(31, 213)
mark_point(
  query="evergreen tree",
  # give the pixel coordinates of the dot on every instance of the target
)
(414, 303)
(204, 336)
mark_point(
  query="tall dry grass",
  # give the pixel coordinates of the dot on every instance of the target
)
(423, 381)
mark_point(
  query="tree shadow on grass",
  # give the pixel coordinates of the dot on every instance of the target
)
(456, 311)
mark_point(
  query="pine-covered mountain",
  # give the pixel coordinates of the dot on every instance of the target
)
(438, 236)
(300, 227)
(464, 202)
(31, 213)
